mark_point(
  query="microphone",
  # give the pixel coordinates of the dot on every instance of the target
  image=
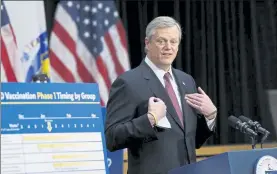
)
(257, 126)
(242, 127)
(40, 78)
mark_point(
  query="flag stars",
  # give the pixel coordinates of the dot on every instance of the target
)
(69, 3)
(86, 8)
(115, 14)
(107, 10)
(94, 23)
(100, 5)
(78, 6)
(94, 10)
(86, 21)
(86, 34)
(106, 22)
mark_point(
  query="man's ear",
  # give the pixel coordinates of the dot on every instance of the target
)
(146, 42)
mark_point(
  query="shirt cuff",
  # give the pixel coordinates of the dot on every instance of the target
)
(210, 123)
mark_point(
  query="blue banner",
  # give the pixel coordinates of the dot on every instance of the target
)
(52, 128)
(115, 159)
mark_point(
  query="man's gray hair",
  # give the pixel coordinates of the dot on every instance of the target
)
(161, 22)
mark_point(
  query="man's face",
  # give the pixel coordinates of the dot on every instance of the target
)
(163, 46)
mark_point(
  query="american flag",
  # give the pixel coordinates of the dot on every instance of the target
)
(88, 44)
(8, 49)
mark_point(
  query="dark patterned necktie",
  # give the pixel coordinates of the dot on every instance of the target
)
(171, 94)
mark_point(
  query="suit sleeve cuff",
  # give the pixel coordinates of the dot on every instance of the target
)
(146, 127)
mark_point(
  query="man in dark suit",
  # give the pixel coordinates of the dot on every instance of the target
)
(155, 92)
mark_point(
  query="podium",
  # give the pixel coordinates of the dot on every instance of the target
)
(235, 162)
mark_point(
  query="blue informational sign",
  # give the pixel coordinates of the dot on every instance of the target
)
(115, 159)
(52, 129)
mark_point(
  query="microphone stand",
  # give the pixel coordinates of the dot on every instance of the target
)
(253, 142)
(243, 128)
(264, 138)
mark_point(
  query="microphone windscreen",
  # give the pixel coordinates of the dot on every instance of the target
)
(244, 119)
(233, 121)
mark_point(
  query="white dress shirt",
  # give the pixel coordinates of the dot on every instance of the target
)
(160, 74)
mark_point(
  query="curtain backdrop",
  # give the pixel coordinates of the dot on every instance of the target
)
(229, 47)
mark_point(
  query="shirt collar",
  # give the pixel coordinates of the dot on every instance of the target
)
(158, 71)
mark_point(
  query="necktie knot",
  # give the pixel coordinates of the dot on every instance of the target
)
(167, 76)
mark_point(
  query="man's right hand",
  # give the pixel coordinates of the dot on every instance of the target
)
(157, 109)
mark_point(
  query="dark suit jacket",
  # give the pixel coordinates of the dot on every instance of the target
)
(152, 150)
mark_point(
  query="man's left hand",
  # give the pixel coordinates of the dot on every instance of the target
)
(202, 102)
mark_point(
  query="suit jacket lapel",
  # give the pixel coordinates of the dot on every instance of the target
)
(159, 91)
